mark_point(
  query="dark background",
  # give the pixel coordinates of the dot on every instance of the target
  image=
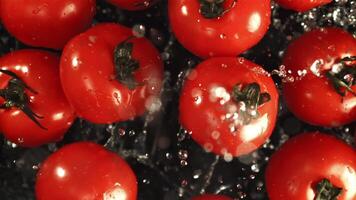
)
(168, 164)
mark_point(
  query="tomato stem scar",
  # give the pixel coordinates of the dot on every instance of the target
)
(211, 9)
(15, 96)
(326, 191)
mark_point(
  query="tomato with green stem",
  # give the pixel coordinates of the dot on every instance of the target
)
(85, 170)
(211, 28)
(322, 68)
(312, 166)
(33, 108)
(109, 76)
(302, 5)
(229, 105)
(46, 23)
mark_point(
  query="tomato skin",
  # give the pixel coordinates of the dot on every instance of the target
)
(306, 159)
(236, 31)
(204, 116)
(313, 99)
(133, 4)
(46, 23)
(40, 70)
(211, 197)
(302, 5)
(85, 170)
(87, 61)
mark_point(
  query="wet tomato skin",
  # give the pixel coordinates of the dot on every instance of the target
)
(46, 23)
(313, 99)
(133, 4)
(211, 197)
(85, 170)
(302, 5)
(295, 169)
(88, 75)
(39, 70)
(205, 104)
(229, 35)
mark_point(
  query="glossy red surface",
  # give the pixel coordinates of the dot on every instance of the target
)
(207, 110)
(46, 23)
(87, 71)
(229, 35)
(305, 160)
(39, 70)
(211, 197)
(87, 171)
(133, 4)
(313, 99)
(302, 5)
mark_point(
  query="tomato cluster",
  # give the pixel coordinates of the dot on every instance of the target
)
(106, 74)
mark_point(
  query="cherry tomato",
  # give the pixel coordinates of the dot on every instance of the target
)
(85, 170)
(34, 110)
(310, 163)
(46, 23)
(210, 28)
(108, 75)
(322, 92)
(133, 4)
(302, 5)
(229, 105)
(211, 197)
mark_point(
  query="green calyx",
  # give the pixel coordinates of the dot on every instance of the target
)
(211, 9)
(345, 78)
(15, 97)
(326, 191)
(125, 64)
(252, 97)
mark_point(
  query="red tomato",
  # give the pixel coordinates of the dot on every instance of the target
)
(222, 31)
(44, 98)
(104, 89)
(229, 105)
(308, 163)
(211, 197)
(133, 4)
(87, 171)
(46, 23)
(301, 5)
(313, 97)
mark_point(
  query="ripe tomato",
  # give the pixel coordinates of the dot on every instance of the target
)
(210, 28)
(133, 4)
(229, 105)
(37, 92)
(315, 60)
(302, 5)
(46, 23)
(110, 76)
(211, 197)
(310, 163)
(85, 170)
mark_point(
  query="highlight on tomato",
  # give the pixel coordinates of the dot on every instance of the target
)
(108, 75)
(46, 23)
(33, 108)
(322, 67)
(229, 105)
(312, 166)
(85, 170)
(212, 28)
